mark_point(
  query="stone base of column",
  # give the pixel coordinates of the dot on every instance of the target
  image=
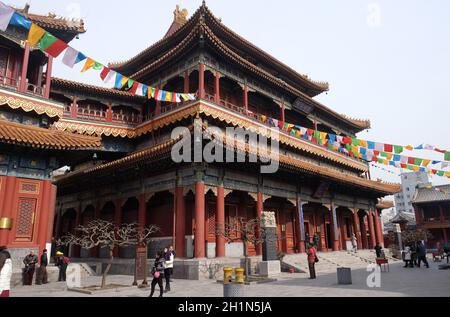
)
(270, 268)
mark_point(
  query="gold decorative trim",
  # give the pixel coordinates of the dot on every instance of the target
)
(88, 129)
(16, 103)
(6, 223)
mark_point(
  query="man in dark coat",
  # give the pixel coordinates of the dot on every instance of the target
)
(422, 254)
(43, 277)
(62, 262)
(30, 267)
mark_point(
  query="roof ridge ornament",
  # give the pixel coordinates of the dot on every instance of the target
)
(180, 16)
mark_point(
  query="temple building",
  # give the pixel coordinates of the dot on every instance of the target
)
(432, 210)
(119, 149)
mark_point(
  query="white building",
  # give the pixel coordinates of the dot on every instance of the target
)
(410, 181)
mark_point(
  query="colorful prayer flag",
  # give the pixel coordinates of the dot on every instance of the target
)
(19, 20)
(447, 156)
(6, 13)
(70, 57)
(35, 34)
(89, 63)
(104, 73)
(398, 149)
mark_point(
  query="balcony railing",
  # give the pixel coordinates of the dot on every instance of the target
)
(14, 84)
(102, 116)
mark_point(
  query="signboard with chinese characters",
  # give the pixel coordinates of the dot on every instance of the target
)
(141, 262)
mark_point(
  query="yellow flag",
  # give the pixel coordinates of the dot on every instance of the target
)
(409, 147)
(124, 81)
(362, 143)
(389, 156)
(89, 63)
(416, 168)
(35, 34)
(447, 174)
(426, 162)
(168, 96)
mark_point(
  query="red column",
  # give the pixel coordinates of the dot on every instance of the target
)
(356, 228)
(109, 113)
(259, 211)
(76, 248)
(51, 214)
(379, 229)
(445, 235)
(26, 59)
(283, 118)
(246, 98)
(418, 213)
(74, 112)
(199, 235)
(142, 212)
(300, 226)
(186, 82)
(365, 242)
(315, 125)
(201, 81)
(217, 89)
(42, 215)
(117, 220)
(220, 220)
(335, 229)
(372, 230)
(48, 78)
(180, 245)
(441, 211)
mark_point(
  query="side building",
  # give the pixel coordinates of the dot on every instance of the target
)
(410, 181)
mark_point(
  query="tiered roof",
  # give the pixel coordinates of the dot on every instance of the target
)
(30, 136)
(432, 194)
(203, 25)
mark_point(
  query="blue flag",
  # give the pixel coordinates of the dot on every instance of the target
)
(19, 20)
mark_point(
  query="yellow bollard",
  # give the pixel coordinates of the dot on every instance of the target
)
(240, 276)
(227, 275)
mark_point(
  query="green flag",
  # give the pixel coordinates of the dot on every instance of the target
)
(447, 156)
(383, 154)
(97, 66)
(418, 161)
(398, 149)
(411, 168)
(355, 142)
(46, 41)
(440, 173)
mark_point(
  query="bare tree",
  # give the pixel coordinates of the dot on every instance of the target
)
(248, 232)
(101, 233)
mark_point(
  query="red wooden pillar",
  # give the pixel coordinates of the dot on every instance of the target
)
(142, 212)
(74, 112)
(379, 229)
(220, 220)
(445, 235)
(48, 78)
(117, 220)
(26, 59)
(315, 125)
(199, 235)
(180, 245)
(372, 230)
(77, 249)
(356, 228)
(365, 242)
(217, 88)
(441, 213)
(97, 214)
(186, 82)
(335, 231)
(300, 230)
(259, 211)
(109, 113)
(6, 204)
(201, 81)
(283, 117)
(246, 99)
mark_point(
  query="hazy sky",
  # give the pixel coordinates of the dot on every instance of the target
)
(388, 61)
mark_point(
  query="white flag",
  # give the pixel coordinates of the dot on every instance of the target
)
(110, 77)
(70, 57)
(6, 13)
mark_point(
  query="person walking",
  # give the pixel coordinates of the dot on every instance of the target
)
(43, 276)
(312, 260)
(413, 254)
(378, 251)
(168, 268)
(30, 267)
(354, 243)
(5, 272)
(62, 262)
(422, 254)
(158, 272)
(407, 256)
(171, 249)
(316, 239)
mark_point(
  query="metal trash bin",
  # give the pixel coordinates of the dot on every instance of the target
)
(233, 290)
(344, 276)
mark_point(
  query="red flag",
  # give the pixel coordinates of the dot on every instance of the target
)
(411, 160)
(403, 165)
(174, 97)
(347, 140)
(310, 132)
(376, 152)
(56, 48)
(104, 73)
(388, 148)
(375, 159)
(134, 88)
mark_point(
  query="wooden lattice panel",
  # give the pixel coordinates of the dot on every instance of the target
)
(29, 188)
(25, 219)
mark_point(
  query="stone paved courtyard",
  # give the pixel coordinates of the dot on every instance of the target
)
(398, 282)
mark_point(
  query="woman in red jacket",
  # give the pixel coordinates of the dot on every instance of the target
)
(312, 259)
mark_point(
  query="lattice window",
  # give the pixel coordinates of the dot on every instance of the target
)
(212, 222)
(25, 219)
(29, 188)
